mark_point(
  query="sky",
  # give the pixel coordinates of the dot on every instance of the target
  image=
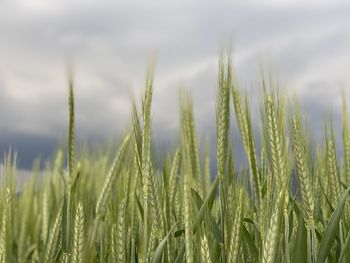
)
(109, 45)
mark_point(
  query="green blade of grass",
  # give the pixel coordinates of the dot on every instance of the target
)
(158, 253)
(332, 229)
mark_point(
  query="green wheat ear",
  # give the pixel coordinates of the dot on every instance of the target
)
(271, 239)
(174, 174)
(121, 232)
(243, 118)
(300, 149)
(5, 227)
(70, 178)
(116, 168)
(223, 116)
(222, 129)
(205, 254)
(71, 129)
(78, 247)
(146, 156)
(332, 169)
(53, 243)
(346, 142)
(189, 133)
(236, 234)
(187, 214)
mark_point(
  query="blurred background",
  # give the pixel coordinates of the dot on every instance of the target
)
(305, 46)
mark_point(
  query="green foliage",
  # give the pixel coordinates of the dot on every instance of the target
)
(119, 205)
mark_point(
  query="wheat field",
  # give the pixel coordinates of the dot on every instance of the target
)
(290, 204)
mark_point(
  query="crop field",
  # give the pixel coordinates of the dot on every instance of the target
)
(289, 204)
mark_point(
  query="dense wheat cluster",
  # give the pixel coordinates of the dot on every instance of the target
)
(288, 205)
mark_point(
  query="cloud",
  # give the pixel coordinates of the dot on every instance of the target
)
(307, 46)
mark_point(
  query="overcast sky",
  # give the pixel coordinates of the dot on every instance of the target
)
(306, 46)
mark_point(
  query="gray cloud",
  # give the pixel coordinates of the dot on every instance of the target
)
(307, 46)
